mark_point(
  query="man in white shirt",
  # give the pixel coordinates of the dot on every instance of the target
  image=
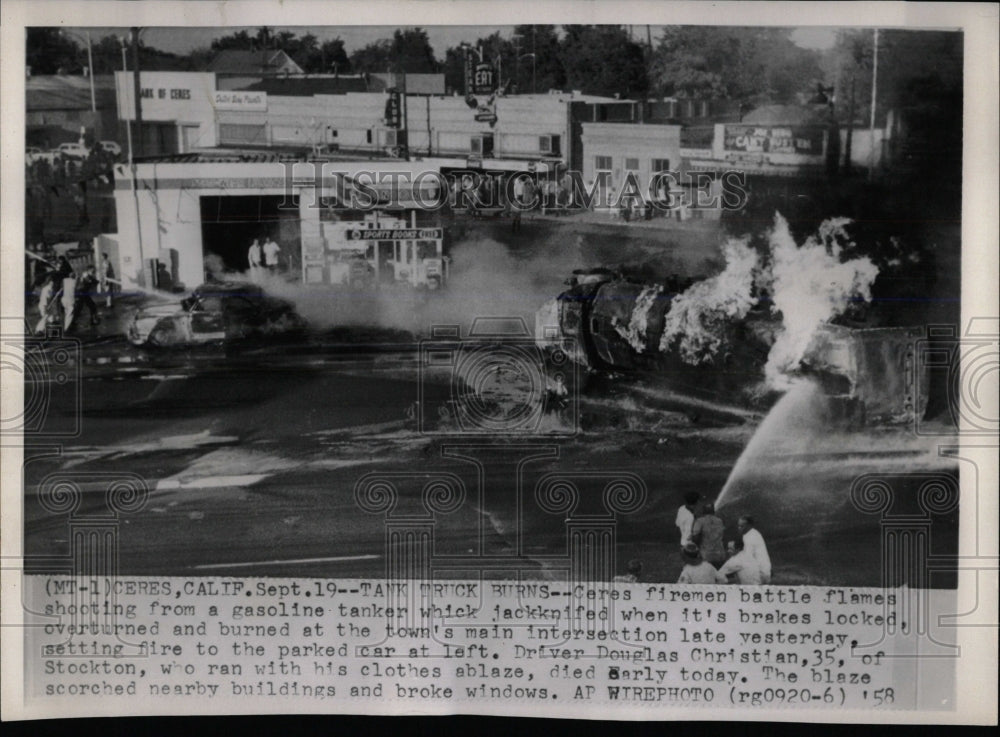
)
(253, 259)
(271, 250)
(685, 516)
(753, 541)
(743, 565)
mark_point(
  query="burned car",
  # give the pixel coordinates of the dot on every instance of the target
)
(220, 312)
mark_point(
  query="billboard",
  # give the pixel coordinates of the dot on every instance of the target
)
(775, 139)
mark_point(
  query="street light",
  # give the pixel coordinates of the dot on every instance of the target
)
(90, 66)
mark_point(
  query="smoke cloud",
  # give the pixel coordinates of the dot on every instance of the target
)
(486, 280)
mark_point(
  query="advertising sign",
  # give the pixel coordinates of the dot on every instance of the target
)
(394, 234)
(802, 140)
(240, 100)
(483, 82)
(393, 117)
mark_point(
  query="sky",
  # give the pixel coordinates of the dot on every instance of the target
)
(182, 41)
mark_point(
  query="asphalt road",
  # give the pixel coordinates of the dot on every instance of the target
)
(252, 461)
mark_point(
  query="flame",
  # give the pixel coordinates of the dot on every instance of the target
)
(697, 318)
(638, 324)
(810, 286)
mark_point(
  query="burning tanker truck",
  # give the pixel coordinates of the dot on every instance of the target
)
(744, 336)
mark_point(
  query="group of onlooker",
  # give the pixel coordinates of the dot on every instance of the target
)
(742, 559)
(63, 294)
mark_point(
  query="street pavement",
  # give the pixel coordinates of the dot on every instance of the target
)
(252, 459)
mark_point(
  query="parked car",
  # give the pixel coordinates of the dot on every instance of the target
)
(215, 313)
(76, 151)
(110, 147)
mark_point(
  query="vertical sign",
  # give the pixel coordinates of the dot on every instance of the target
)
(393, 118)
(469, 80)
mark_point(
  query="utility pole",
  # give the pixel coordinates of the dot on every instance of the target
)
(137, 91)
(146, 280)
(534, 59)
(90, 62)
(850, 129)
(871, 125)
(517, 62)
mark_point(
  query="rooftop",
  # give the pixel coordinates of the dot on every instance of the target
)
(309, 86)
(264, 61)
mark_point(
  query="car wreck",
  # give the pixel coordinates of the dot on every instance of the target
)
(220, 312)
(607, 323)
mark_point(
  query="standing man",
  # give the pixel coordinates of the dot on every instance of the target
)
(104, 273)
(253, 259)
(685, 516)
(707, 532)
(753, 541)
(84, 295)
(271, 250)
(46, 282)
(65, 278)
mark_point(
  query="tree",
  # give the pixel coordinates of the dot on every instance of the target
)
(548, 72)
(755, 65)
(411, 52)
(239, 40)
(602, 60)
(48, 51)
(373, 57)
(334, 56)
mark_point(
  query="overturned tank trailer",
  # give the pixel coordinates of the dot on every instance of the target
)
(607, 323)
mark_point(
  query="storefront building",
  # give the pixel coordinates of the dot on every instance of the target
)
(188, 214)
(186, 111)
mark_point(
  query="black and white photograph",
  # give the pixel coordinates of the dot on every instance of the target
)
(499, 367)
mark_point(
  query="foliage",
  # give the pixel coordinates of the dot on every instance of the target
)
(603, 60)
(751, 64)
(409, 50)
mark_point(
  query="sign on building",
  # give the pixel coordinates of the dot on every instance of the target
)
(484, 80)
(802, 140)
(393, 110)
(393, 234)
(240, 100)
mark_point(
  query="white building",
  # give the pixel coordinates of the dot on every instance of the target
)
(187, 111)
(613, 151)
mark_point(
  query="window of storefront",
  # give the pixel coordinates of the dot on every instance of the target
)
(660, 165)
(242, 134)
(602, 163)
(631, 164)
